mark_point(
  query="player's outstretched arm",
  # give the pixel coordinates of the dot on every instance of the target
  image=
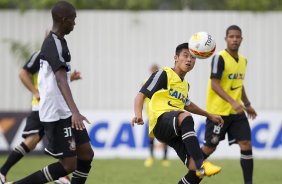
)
(138, 107)
(77, 118)
(193, 108)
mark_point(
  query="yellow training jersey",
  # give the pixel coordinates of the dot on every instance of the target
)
(146, 106)
(35, 102)
(32, 67)
(174, 97)
(232, 81)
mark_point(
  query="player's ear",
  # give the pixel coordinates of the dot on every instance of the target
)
(64, 19)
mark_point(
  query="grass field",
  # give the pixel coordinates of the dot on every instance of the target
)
(123, 171)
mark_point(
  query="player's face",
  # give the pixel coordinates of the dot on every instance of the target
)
(69, 22)
(233, 40)
(185, 61)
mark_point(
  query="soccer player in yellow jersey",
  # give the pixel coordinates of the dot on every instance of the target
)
(170, 120)
(150, 160)
(227, 97)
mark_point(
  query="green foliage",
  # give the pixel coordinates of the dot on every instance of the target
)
(82, 4)
(243, 5)
(252, 5)
(21, 51)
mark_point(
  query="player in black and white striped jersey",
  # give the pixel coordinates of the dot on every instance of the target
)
(33, 130)
(67, 137)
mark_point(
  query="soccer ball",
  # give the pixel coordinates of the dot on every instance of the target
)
(201, 45)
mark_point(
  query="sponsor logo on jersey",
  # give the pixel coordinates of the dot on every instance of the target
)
(234, 76)
(176, 94)
(169, 103)
(234, 88)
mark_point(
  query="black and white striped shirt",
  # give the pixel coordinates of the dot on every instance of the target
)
(53, 56)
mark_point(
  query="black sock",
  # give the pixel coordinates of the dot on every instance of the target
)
(14, 157)
(151, 147)
(191, 141)
(35, 178)
(80, 175)
(204, 155)
(190, 178)
(47, 174)
(247, 164)
(165, 151)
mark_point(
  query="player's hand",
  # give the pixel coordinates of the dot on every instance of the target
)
(36, 95)
(137, 120)
(77, 121)
(76, 75)
(216, 119)
(251, 112)
(238, 107)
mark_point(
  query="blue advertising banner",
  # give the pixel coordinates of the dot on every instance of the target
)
(113, 136)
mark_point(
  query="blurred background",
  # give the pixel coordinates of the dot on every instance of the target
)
(113, 45)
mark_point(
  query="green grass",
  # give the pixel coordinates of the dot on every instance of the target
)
(126, 171)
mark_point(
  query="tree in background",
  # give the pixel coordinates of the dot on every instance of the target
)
(250, 5)
(23, 50)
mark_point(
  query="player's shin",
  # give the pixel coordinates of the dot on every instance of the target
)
(190, 177)
(47, 174)
(205, 155)
(191, 141)
(14, 157)
(247, 164)
(80, 175)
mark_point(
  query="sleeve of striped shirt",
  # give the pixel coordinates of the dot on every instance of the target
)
(157, 81)
(217, 67)
(51, 51)
(32, 65)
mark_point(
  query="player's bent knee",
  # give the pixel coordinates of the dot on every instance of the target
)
(31, 141)
(85, 152)
(90, 154)
(69, 164)
(245, 145)
(182, 116)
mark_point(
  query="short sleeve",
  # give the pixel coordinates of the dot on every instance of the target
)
(157, 81)
(52, 52)
(217, 67)
(32, 65)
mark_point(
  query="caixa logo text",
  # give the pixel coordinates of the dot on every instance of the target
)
(124, 135)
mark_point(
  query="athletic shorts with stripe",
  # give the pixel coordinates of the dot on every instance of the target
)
(33, 125)
(236, 126)
(62, 140)
(168, 131)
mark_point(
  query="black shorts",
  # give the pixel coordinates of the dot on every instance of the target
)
(236, 126)
(62, 140)
(167, 131)
(33, 125)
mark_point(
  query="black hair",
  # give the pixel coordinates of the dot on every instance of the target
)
(62, 9)
(233, 27)
(180, 47)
